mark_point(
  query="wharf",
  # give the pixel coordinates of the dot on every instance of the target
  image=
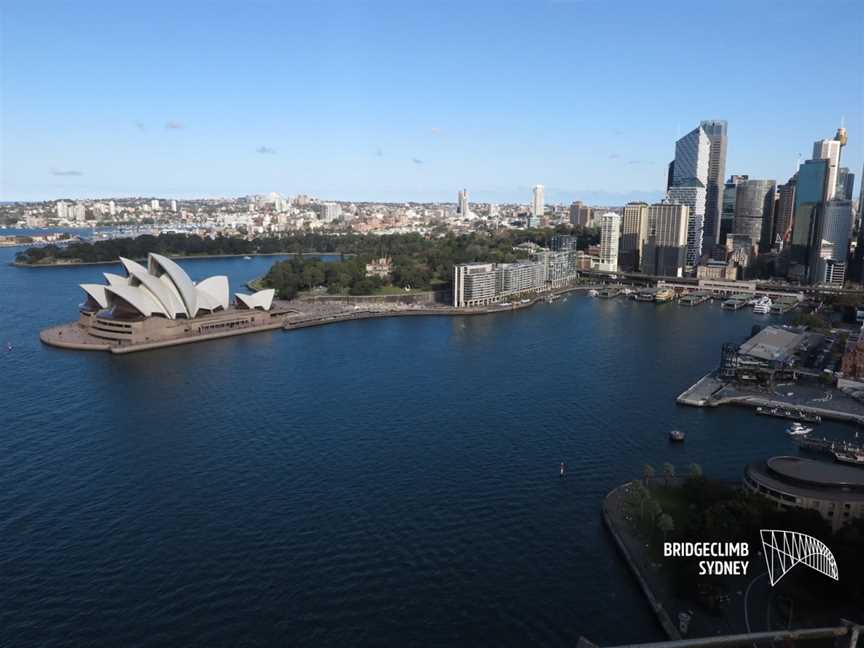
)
(736, 302)
(695, 298)
(829, 403)
(826, 446)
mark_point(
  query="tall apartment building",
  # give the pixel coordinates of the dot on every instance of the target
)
(580, 214)
(537, 204)
(474, 284)
(330, 211)
(664, 252)
(463, 207)
(634, 233)
(479, 284)
(610, 229)
(716, 131)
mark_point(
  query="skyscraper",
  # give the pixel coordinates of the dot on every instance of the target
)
(463, 203)
(845, 184)
(785, 210)
(834, 244)
(610, 227)
(689, 182)
(634, 233)
(716, 131)
(664, 251)
(829, 149)
(537, 206)
(754, 212)
(727, 211)
(810, 192)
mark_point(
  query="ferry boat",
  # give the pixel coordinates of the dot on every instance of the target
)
(677, 436)
(798, 429)
(853, 457)
(664, 295)
(762, 305)
(789, 413)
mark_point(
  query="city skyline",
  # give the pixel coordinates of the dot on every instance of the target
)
(243, 103)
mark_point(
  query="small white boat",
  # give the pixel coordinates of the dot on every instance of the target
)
(593, 292)
(505, 304)
(677, 436)
(762, 305)
(248, 258)
(855, 458)
(796, 429)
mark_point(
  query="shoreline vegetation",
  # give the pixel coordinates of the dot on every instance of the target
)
(404, 263)
(310, 243)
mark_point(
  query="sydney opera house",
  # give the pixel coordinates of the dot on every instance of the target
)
(160, 305)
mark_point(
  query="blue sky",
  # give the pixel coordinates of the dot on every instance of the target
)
(413, 100)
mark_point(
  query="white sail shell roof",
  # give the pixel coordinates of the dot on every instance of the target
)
(141, 300)
(262, 299)
(163, 288)
(160, 266)
(115, 280)
(213, 293)
(159, 290)
(97, 293)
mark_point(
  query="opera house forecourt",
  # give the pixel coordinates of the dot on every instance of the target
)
(161, 306)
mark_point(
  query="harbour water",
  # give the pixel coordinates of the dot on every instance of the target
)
(383, 482)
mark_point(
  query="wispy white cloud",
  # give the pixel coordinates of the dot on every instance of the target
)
(265, 150)
(66, 172)
(417, 161)
(174, 125)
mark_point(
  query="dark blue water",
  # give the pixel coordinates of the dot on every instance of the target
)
(390, 482)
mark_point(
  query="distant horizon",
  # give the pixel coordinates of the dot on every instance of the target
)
(394, 102)
(587, 197)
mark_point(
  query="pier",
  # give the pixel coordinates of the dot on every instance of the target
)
(695, 298)
(736, 302)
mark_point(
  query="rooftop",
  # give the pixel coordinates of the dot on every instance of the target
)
(818, 473)
(772, 343)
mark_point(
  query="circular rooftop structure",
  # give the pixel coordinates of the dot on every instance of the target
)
(817, 473)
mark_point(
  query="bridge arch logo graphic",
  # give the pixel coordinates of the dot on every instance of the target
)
(785, 549)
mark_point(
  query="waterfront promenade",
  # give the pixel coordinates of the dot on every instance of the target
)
(294, 314)
(823, 400)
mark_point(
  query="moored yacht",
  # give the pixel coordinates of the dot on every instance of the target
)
(762, 305)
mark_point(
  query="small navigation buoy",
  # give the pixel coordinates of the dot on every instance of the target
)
(562, 468)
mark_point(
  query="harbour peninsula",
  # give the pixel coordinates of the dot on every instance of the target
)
(159, 306)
